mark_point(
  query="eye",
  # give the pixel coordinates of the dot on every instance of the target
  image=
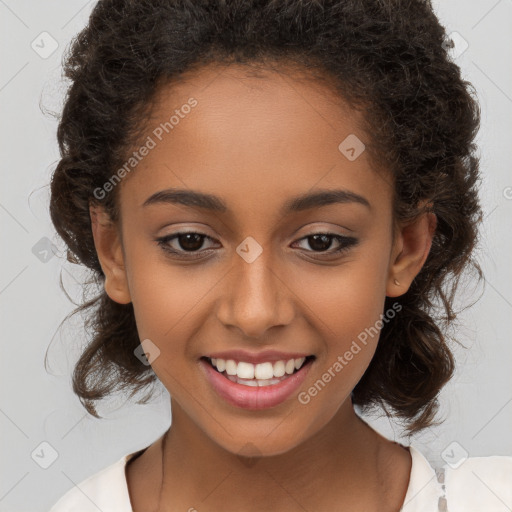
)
(190, 242)
(320, 242)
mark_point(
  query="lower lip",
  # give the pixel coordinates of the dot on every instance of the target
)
(255, 398)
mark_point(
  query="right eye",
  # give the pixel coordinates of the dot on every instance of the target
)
(190, 242)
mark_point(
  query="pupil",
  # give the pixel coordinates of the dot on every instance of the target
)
(188, 245)
(322, 246)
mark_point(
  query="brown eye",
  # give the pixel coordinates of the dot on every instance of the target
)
(186, 242)
(190, 241)
(321, 242)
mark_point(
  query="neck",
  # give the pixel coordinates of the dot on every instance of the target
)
(340, 466)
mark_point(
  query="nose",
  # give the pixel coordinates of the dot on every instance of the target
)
(257, 297)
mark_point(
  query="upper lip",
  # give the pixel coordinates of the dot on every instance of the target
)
(257, 357)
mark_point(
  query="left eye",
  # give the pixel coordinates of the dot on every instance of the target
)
(323, 241)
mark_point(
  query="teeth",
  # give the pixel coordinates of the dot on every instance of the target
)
(231, 367)
(255, 382)
(279, 369)
(299, 362)
(245, 370)
(263, 371)
(257, 372)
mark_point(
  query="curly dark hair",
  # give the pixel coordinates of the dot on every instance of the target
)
(386, 58)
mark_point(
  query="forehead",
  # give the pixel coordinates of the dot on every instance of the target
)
(251, 136)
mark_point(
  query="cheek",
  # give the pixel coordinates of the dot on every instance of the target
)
(170, 301)
(165, 302)
(346, 301)
(345, 309)
(349, 329)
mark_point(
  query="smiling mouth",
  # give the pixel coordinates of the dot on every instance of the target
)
(258, 375)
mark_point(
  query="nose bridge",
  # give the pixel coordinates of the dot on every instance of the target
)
(256, 299)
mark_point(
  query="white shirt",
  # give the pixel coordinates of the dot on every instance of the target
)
(479, 484)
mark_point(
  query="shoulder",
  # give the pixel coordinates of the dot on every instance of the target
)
(479, 483)
(106, 490)
(474, 484)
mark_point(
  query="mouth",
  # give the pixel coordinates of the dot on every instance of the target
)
(256, 386)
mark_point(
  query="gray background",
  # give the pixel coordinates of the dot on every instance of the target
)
(39, 406)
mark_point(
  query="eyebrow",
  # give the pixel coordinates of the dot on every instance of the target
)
(214, 203)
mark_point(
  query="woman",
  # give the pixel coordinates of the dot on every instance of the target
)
(273, 197)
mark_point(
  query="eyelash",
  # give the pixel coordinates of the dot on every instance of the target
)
(346, 242)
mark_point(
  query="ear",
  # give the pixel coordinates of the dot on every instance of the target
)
(410, 251)
(107, 242)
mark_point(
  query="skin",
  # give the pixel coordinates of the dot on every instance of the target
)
(257, 141)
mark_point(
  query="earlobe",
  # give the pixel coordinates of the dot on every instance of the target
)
(412, 246)
(110, 254)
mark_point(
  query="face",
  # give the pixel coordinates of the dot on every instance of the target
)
(262, 278)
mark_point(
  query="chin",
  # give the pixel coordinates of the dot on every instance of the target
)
(263, 440)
